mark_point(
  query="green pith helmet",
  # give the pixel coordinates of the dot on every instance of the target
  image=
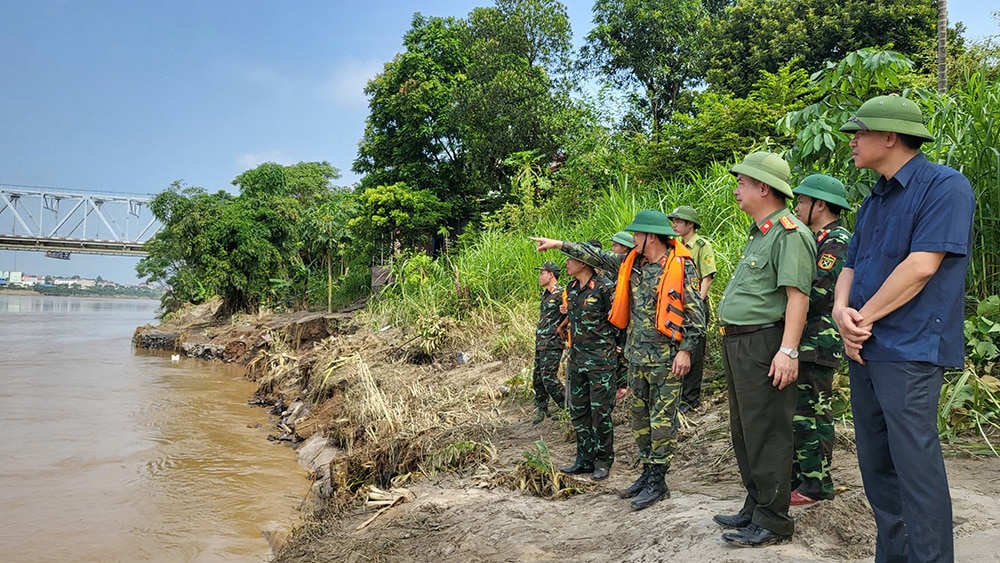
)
(825, 188)
(766, 167)
(550, 266)
(651, 221)
(624, 239)
(892, 114)
(685, 213)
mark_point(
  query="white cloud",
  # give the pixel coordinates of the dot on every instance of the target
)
(346, 86)
(250, 160)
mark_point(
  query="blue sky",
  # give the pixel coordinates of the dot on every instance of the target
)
(128, 96)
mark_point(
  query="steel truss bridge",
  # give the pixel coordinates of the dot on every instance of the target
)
(59, 221)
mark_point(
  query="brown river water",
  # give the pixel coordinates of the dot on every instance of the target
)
(115, 454)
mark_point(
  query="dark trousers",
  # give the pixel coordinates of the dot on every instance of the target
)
(899, 453)
(691, 384)
(545, 378)
(760, 419)
(591, 400)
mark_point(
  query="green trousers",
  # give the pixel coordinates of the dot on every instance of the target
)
(656, 394)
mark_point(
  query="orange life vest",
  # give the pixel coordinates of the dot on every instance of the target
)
(669, 293)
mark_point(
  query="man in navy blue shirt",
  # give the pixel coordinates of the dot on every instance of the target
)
(899, 308)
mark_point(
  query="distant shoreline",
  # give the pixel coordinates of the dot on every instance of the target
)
(33, 293)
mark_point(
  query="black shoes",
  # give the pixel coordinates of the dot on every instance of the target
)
(754, 536)
(600, 474)
(654, 490)
(577, 469)
(540, 416)
(736, 521)
(639, 484)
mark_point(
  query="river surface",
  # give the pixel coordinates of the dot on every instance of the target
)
(114, 454)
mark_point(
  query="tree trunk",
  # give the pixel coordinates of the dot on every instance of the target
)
(329, 282)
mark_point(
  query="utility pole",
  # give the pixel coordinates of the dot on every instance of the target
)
(942, 46)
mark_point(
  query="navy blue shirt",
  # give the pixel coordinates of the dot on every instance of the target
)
(925, 207)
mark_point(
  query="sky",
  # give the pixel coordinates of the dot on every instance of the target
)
(129, 96)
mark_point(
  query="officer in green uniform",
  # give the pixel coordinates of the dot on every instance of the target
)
(548, 345)
(762, 314)
(820, 202)
(684, 220)
(657, 362)
(590, 371)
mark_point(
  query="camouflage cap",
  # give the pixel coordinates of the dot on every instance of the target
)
(766, 167)
(550, 266)
(825, 188)
(651, 221)
(685, 213)
(892, 114)
(623, 238)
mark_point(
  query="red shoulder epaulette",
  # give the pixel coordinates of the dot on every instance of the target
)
(788, 224)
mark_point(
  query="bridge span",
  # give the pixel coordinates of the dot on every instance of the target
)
(60, 221)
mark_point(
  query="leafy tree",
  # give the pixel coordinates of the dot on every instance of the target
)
(397, 213)
(410, 136)
(178, 253)
(840, 88)
(446, 113)
(326, 236)
(648, 45)
(244, 249)
(723, 125)
(756, 35)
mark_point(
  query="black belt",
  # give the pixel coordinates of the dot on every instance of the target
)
(734, 330)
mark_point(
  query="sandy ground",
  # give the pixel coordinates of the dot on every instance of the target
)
(461, 518)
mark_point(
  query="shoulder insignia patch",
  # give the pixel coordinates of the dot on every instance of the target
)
(822, 235)
(788, 224)
(826, 261)
(591, 284)
(700, 242)
(766, 226)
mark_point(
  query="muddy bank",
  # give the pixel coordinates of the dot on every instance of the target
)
(382, 409)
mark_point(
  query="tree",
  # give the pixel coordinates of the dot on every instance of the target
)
(756, 35)
(650, 45)
(325, 235)
(244, 249)
(723, 125)
(397, 213)
(446, 113)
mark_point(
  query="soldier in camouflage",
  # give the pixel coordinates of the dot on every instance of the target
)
(684, 220)
(591, 369)
(621, 243)
(657, 362)
(548, 345)
(821, 351)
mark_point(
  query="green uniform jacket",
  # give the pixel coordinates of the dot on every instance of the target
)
(592, 336)
(549, 318)
(780, 252)
(644, 345)
(821, 342)
(703, 255)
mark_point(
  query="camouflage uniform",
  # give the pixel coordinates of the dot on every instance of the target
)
(650, 354)
(591, 370)
(820, 354)
(548, 351)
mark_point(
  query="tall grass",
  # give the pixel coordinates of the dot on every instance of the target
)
(491, 285)
(966, 124)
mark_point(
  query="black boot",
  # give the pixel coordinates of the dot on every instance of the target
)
(655, 489)
(639, 484)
